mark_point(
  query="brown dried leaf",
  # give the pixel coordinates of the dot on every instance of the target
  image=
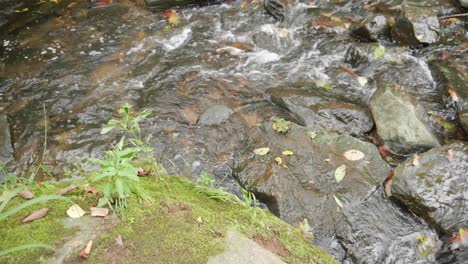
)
(67, 189)
(416, 159)
(91, 190)
(388, 188)
(349, 71)
(85, 251)
(99, 211)
(26, 194)
(36, 215)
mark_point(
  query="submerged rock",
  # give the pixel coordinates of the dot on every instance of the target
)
(416, 25)
(401, 121)
(353, 210)
(371, 29)
(273, 38)
(215, 115)
(321, 113)
(436, 189)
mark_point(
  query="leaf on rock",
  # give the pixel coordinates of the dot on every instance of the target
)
(26, 194)
(99, 211)
(379, 52)
(453, 94)
(261, 151)
(85, 251)
(174, 19)
(388, 188)
(338, 202)
(349, 71)
(75, 211)
(287, 153)
(67, 189)
(279, 160)
(36, 215)
(340, 172)
(324, 84)
(353, 155)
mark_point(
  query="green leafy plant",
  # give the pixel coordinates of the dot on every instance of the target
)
(281, 125)
(206, 185)
(249, 202)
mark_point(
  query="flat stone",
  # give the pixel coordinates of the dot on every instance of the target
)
(401, 121)
(215, 115)
(416, 25)
(243, 250)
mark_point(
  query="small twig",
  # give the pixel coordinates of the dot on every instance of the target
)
(453, 16)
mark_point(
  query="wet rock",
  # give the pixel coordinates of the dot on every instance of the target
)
(164, 5)
(278, 8)
(416, 25)
(371, 29)
(6, 148)
(401, 121)
(464, 3)
(436, 188)
(321, 113)
(215, 115)
(367, 225)
(273, 38)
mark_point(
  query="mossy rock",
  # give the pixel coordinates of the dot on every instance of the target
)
(179, 225)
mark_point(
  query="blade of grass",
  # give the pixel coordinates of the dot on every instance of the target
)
(32, 202)
(24, 247)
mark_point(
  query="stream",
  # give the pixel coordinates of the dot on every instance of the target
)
(216, 79)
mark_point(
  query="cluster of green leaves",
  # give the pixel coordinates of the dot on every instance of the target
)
(281, 125)
(117, 168)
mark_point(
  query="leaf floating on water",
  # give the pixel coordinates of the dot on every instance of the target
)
(416, 159)
(279, 160)
(67, 189)
(338, 202)
(261, 151)
(85, 252)
(26, 194)
(324, 84)
(340, 172)
(379, 52)
(36, 215)
(75, 211)
(287, 153)
(353, 155)
(99, 211)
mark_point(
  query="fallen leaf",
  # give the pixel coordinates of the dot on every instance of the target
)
(450, 154)
(340, 172)
(99, 211)
(75, 211)
(26, 194)
(262, 151)
(36, 215)
(416, 159)
(174, 19)
(390, 175)
(383, 150)
(287, 153)
(379, 52)
(388, 188)
(353, 155)
(119, 241)
(85, 252)
(67, 189)
(279, 160)
(338, 202)
(200, 220)
(91, 190)
(349, 71)
(324, 84)
(311, 134)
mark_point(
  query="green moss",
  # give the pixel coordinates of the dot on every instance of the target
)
(180, 225)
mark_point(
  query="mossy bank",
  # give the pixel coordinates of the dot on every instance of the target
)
(178, 225)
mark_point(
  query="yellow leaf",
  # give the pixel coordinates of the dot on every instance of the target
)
(262, 151)
(353, 155)
(75, 211)
(340, 172)
(287, 153)
(338, 202)
(279, 160)
(174, 19)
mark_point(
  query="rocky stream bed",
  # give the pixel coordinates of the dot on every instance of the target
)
(384, 77)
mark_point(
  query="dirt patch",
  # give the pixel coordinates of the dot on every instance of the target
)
(175, 207)
(116, 254)
(272, 244)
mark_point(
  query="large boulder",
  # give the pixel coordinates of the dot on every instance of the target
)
(436, 188)
(352, 210)
(416, 25)
(321, 113)
(401, 121)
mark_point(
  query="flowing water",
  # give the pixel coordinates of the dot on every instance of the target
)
(75, 68)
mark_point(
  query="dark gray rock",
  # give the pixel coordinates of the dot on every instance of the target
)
(367, 225)
(215, 115)
(371, 29)
(6, 148)
(278, 8)
(436, 189)
(320, 113)
(164, 5)
(416, 25)
(401, 120)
